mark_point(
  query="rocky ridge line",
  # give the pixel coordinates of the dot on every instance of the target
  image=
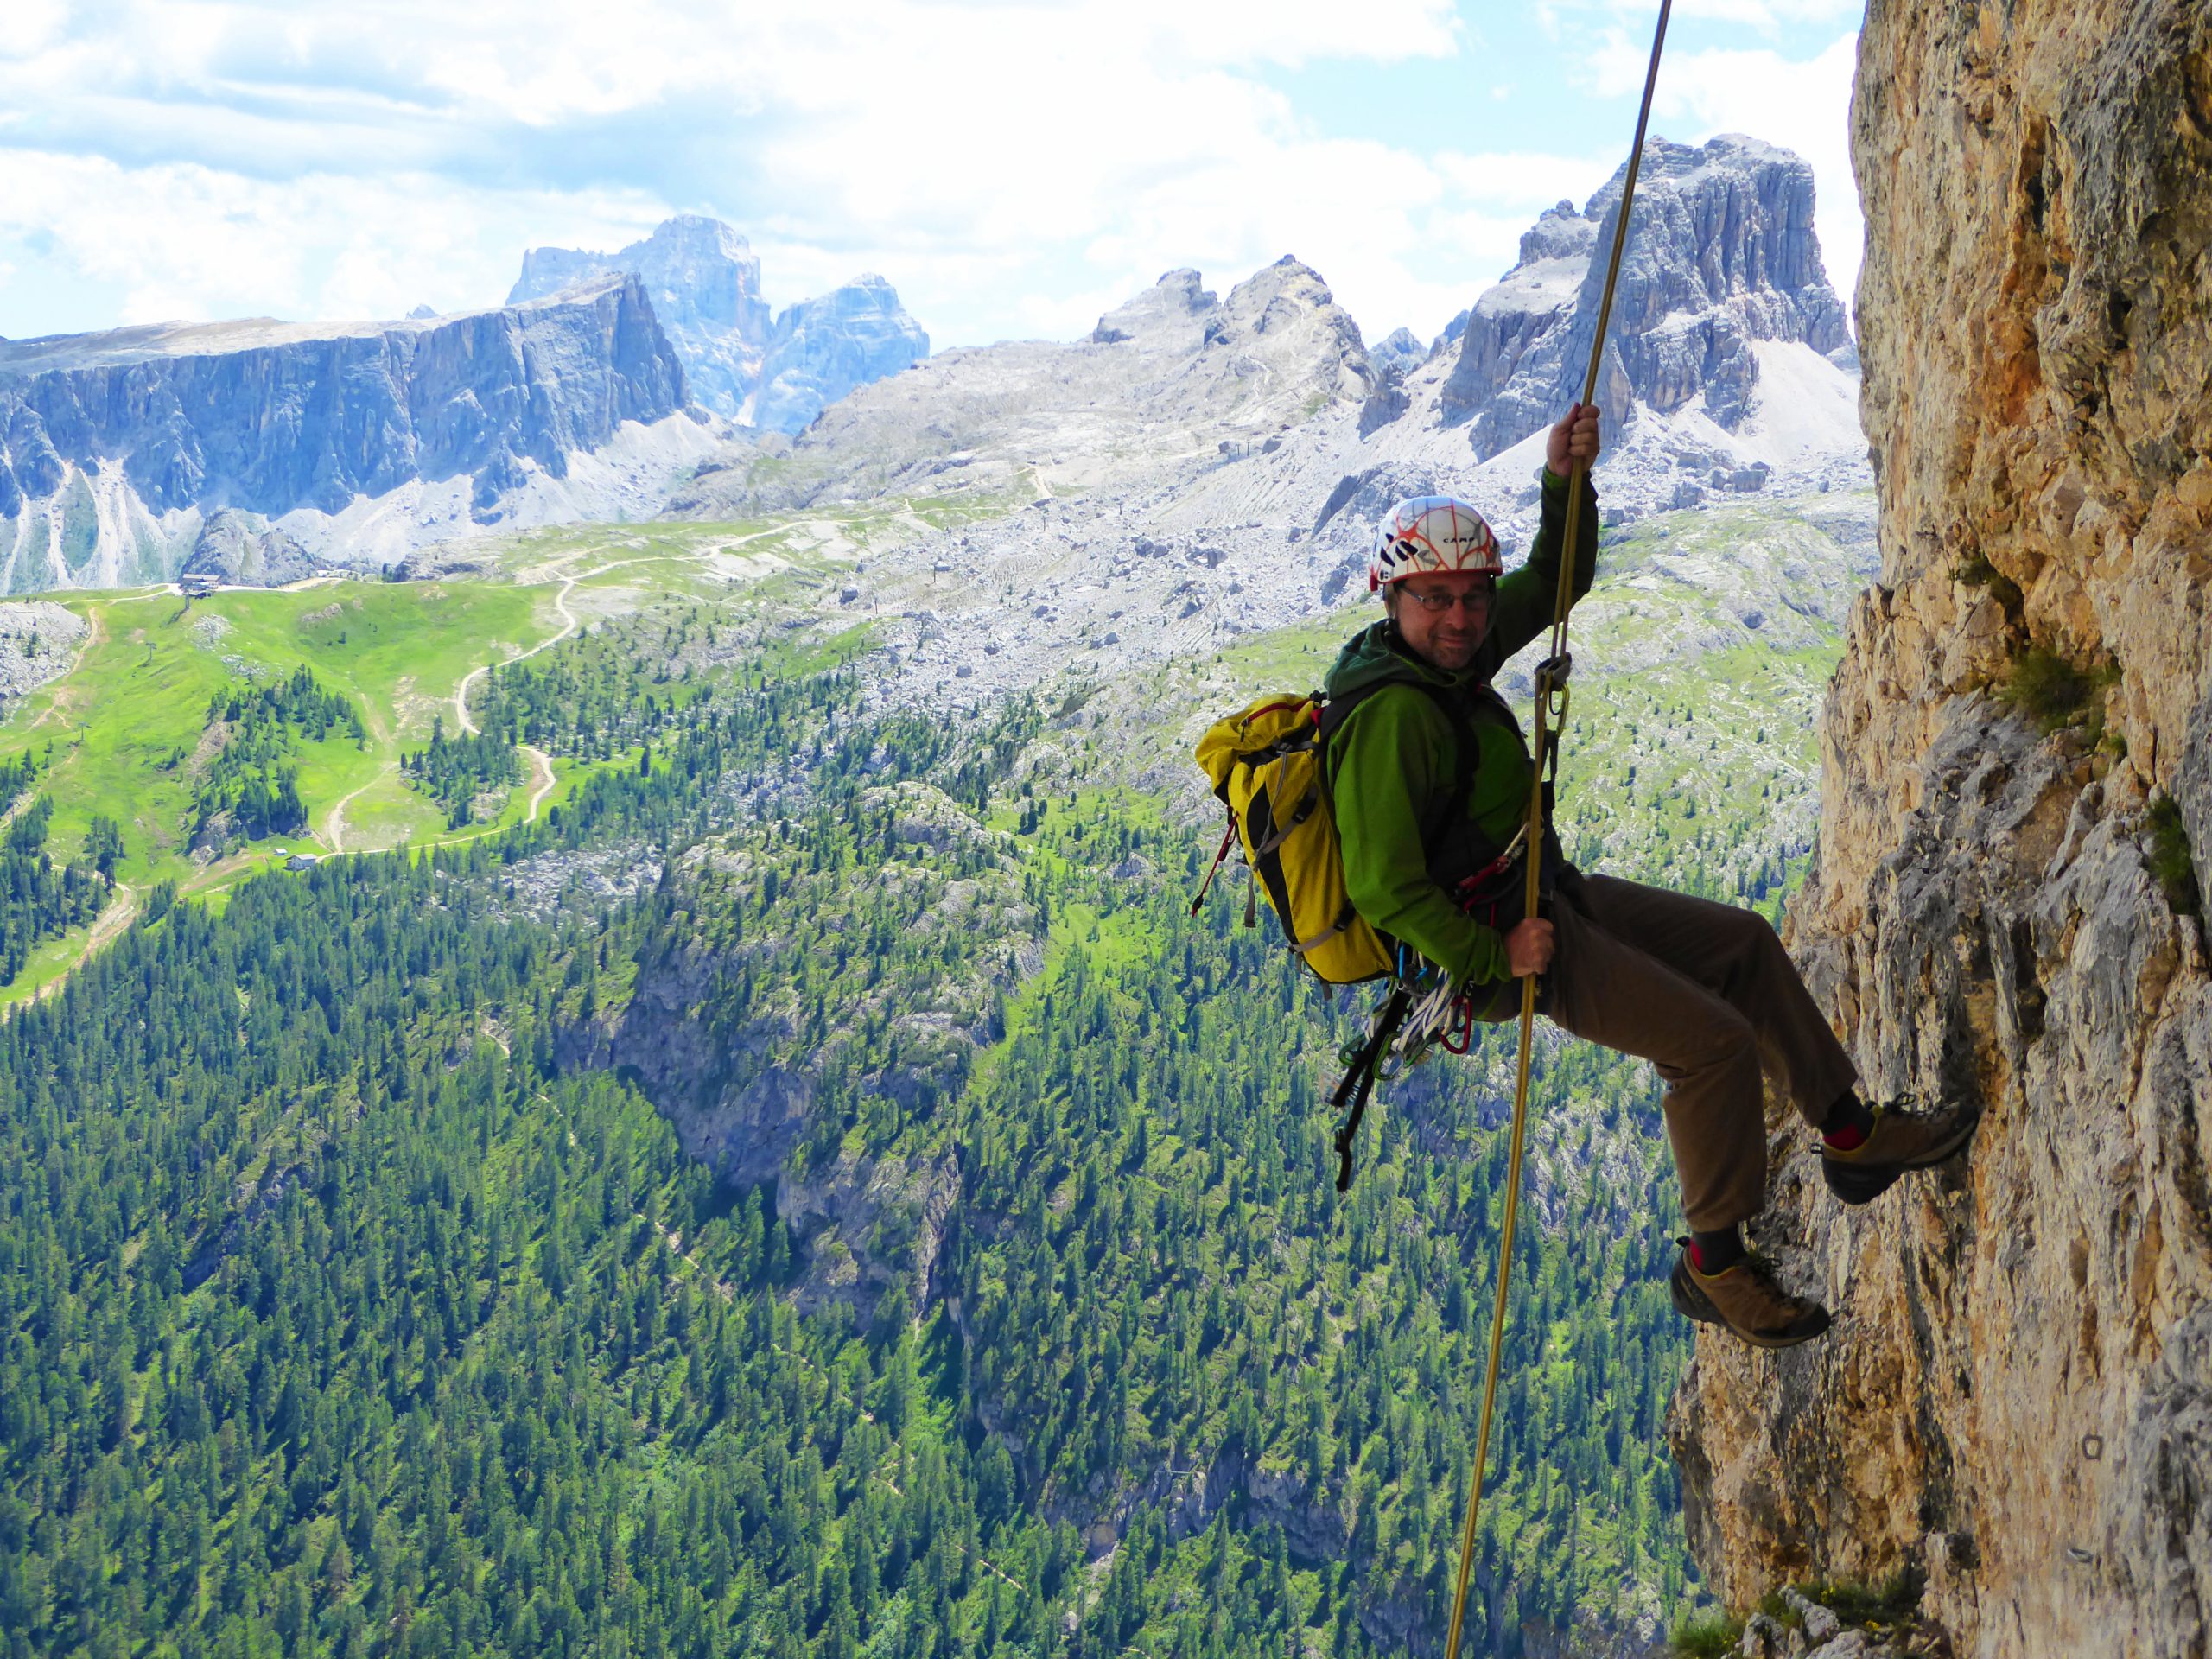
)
(1721, 253)
(120, 448)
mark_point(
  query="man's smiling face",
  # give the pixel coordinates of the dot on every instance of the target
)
(1442, 615)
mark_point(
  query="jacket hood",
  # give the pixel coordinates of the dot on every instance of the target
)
(1376, 654)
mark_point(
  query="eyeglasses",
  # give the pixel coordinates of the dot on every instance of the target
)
(1437, 604)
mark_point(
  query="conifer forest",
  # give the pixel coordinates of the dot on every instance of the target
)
(359, 1294)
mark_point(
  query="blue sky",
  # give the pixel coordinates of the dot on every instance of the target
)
(1013, 168)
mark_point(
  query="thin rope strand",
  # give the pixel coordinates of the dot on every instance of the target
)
(1545, 693)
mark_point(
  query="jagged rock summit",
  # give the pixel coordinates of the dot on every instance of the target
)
(743, 360)
(2009, 902)
(1729, 368)
(1169, 378)
(364, 439)
(1720, 257)
(704, 282)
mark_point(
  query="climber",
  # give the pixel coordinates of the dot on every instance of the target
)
(1430, 778)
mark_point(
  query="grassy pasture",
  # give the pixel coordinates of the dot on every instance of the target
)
(117, 734)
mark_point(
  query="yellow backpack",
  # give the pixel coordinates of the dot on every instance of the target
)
(1265, 763)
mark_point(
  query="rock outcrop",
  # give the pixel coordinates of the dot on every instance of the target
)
(2017, 1403)
(1398, 352)
(715, 1034)
(1721, 253)
(38, 643)
(744, 361)
(241, 548)
(120, 446)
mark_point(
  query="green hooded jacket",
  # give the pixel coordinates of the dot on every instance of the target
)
(1394, 763)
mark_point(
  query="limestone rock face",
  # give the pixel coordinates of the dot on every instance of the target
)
(119, 444)
(743, 360)
(1721, 253)
(1173, 314)
(704, 282)
(38, 643)
(2017, 1398)
(242, 549)
(822, 348)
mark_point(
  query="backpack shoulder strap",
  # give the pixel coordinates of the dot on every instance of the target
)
(1335, 710)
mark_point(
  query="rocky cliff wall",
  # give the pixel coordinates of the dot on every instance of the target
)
(1721, 253)
(115, 449)
(704, 282)
(315, 421)
(2018, 1400)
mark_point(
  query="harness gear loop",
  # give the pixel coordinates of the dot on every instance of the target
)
(1550, 689)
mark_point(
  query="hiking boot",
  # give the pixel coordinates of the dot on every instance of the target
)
(1745, 1297)
(1903, 1137)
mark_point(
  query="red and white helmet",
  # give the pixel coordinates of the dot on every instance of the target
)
(1432, 532)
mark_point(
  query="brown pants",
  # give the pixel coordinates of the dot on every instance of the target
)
(1708, 994)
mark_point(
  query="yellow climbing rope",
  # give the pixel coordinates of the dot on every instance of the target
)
(1551, 717)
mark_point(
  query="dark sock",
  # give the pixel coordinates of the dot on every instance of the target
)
(1848, 1122)
(1711, 1252)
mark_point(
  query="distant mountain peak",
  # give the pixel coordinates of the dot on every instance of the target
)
(743, 359)
(824, 347)
(1398, 352)
(1164, 314)
(704, 284)
(1720, 255)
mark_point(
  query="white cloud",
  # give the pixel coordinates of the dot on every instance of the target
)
(881, 133)
(1012, 168)
(186, 241)
(1527, 180)
(1768, 18)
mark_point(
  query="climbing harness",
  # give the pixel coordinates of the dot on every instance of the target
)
(1423, 1013)
(1551, 714)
